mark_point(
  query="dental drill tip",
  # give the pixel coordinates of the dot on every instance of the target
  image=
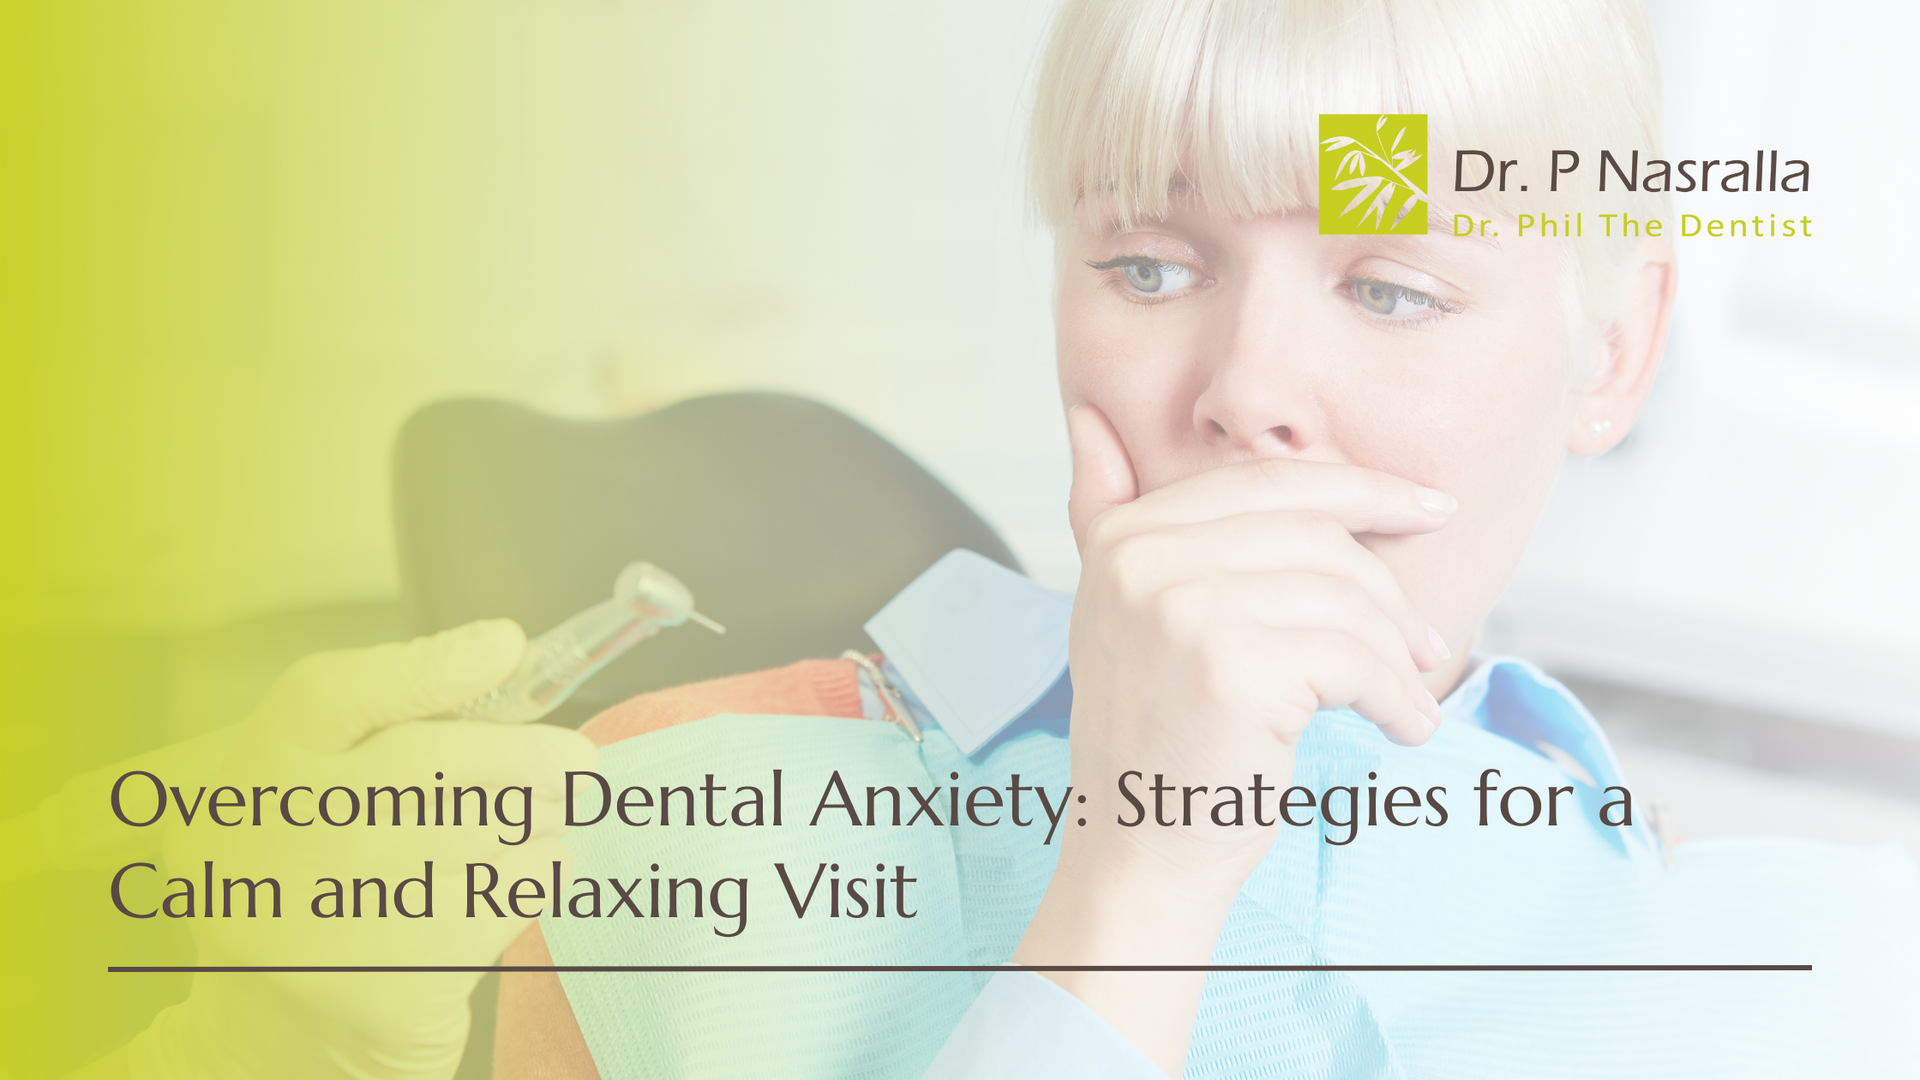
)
(706, 622)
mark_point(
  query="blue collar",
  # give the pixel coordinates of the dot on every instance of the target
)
(977, 647)
(981, 651)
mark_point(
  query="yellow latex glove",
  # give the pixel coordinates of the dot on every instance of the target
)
(360, 718)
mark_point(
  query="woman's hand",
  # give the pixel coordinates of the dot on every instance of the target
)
(1214, 616)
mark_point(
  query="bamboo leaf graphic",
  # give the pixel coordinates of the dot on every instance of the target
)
(1382, 177)
(1378, 208)
(1367, 184)
(1413, 198)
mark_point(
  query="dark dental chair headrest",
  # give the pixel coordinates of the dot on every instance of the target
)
(790, 522)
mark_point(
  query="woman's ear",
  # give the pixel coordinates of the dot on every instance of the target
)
(1628, 354)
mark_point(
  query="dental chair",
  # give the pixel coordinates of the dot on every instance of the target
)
(790, 522)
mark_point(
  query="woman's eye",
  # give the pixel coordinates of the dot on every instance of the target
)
(1150, 277)
(1385, 298)
(1158, 277)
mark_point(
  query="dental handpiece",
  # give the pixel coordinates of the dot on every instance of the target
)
(645, 598)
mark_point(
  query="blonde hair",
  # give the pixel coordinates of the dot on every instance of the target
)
(1224, 96)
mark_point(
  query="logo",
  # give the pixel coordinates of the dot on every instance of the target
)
(1373, 174)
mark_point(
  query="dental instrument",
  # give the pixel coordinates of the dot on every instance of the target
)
(645, 598)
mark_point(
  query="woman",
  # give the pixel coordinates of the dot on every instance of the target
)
(1304, 467)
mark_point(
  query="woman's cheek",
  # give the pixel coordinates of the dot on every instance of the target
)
(1094, 355)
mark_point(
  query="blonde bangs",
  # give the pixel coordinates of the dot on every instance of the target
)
(1139, 98)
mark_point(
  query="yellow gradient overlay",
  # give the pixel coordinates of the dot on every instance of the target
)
(242, 242)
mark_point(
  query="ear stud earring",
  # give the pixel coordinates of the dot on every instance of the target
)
(1600, 427)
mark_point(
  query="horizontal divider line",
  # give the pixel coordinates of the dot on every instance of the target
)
(838, 969)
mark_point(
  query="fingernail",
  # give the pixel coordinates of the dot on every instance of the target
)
(1433, 712)
(1439, 644)
(1437, 501)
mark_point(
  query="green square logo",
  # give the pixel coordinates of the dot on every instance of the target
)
(1373, 174)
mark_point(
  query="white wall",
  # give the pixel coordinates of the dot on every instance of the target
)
(1755, 539)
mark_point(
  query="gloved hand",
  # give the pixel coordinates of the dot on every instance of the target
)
(357, 719)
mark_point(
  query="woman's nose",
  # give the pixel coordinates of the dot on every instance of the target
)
(1258, 397)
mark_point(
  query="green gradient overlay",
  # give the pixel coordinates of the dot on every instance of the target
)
(242, 243)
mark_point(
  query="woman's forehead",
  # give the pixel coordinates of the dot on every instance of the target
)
(1104, 218)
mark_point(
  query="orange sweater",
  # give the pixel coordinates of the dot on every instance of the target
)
(537, 1037)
